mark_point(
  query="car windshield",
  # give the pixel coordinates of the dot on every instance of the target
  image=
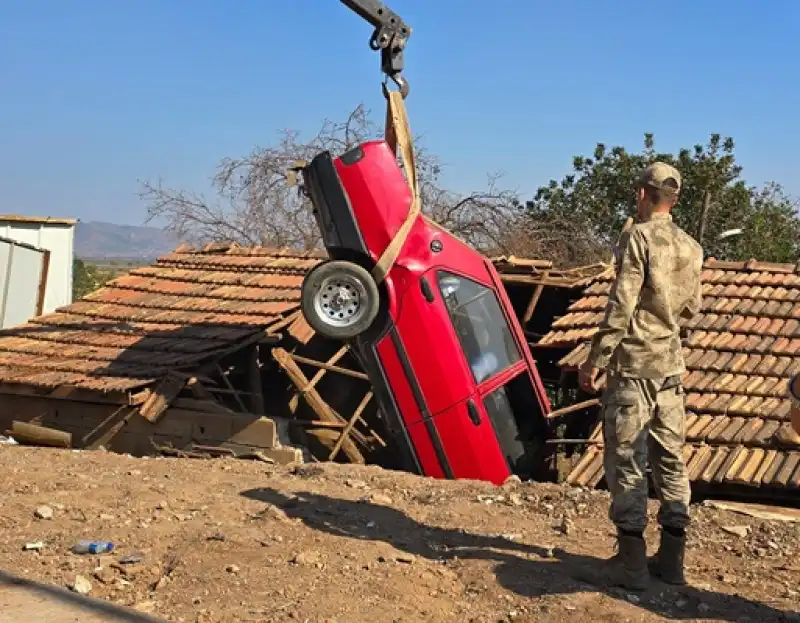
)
(482, 330)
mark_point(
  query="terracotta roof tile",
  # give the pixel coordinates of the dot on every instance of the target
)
(748, 431)
(188, 307)
(773, 470)
(700, 426)
(742, 349)
(784, 475)
(756, 467)
(706, 381)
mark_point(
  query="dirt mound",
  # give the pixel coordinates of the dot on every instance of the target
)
(229, 540)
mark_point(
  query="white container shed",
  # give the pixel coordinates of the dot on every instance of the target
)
(57, 236)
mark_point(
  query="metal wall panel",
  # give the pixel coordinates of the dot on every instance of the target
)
(21, 269)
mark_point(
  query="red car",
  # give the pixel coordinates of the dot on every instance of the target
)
(438, 338)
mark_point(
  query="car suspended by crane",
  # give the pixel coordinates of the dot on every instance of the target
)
(426, 315)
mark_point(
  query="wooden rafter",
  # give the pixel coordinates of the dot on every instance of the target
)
(231, 388)
(353, 419)
(295, 401)
(254, 373)
(323, 410)
(198, 389)
(114, 423)
(330, 367)
(586, 404)
(537, 293)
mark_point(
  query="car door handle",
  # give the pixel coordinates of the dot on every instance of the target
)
(472, 411)
(427, 292)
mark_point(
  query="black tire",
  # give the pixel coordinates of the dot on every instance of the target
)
(339, 299)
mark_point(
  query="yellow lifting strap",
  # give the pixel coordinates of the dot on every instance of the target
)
(398, 135)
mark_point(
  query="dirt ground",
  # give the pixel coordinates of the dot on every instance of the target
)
(229, 540)
(23, 600)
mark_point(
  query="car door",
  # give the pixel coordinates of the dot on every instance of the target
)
(433, 353)
(468, 443)
(510, 403)
(486, 345)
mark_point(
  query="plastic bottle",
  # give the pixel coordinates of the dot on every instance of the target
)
(92, 547)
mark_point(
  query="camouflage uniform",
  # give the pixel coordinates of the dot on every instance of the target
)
(638, 343)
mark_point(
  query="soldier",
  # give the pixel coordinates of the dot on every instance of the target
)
(794, 396)
(638, 343)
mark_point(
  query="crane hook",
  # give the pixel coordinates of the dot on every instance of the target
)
(402, 85)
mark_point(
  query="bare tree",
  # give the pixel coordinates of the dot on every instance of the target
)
(255, 204)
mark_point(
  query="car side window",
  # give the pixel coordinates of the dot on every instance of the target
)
(482, 329)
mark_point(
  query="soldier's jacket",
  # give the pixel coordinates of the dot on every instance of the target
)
(658, 281)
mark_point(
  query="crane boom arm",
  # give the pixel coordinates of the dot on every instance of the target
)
(390, 36)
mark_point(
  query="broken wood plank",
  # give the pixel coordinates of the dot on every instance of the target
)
(183, 454)
(537, 293)
(139, 398)
(213, 449)
(254, 381)
(32, 434)
(283, 456)
(43, 282)
(295, 401)
(230, 386)
(123, 414)
(330, 367)
(520, 263)
(373, 436)
(320, 423)
(327, 437)
(314, 400)
(272, 329)
(352, 422)
(757, 511)
(539, 280)
(198, 390)
(258, 337)
(586, 404)
(159, 401)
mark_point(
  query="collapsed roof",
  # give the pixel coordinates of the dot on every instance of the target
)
(192, 306)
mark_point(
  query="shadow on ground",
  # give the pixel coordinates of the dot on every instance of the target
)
(555, 573)
(74, 602)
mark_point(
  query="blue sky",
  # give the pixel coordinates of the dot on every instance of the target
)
(96, 95)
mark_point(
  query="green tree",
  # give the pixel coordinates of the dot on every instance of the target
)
(599, 195)
(87, 278)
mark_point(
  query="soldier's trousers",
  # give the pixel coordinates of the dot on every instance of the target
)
(645, 418)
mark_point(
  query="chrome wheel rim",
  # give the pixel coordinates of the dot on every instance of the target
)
(340, 300)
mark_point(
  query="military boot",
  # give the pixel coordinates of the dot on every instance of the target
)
(667, 564)
(626, 569)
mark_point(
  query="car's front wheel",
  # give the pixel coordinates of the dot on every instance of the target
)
(339, 299)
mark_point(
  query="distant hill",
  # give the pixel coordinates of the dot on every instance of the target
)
(97, 240)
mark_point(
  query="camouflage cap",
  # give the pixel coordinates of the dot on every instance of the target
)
(662, 176)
